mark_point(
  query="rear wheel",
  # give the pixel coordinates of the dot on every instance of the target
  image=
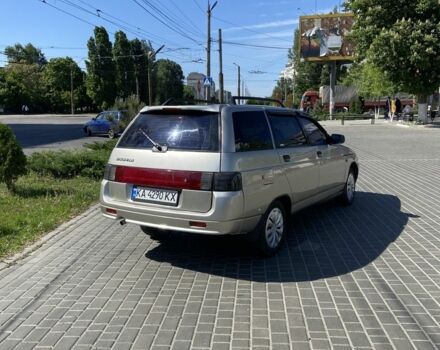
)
(347, 196)
(88, 132)
(111, 134)
(272, 229)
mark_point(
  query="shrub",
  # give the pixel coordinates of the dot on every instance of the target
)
(132, 104)
(356, 106)
(12, 158)
(89, 162)
(318, 111)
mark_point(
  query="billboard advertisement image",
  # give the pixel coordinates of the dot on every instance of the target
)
(324, 37)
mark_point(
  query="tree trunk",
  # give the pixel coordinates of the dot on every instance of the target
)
(422, 108)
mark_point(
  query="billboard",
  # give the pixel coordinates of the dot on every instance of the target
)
(323, 37)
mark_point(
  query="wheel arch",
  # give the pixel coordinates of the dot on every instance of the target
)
(355, 168)
(286, 201)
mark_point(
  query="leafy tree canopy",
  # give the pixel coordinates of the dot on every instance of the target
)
(402, 39)
(25, 54)
(169, 80)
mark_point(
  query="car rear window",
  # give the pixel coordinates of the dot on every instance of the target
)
(179, 130)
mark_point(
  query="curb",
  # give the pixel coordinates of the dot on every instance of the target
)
(8, 262)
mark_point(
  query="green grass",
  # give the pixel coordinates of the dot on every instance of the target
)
(40, 204)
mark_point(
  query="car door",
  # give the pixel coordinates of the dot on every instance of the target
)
(332, 164)
(94, 124)
(255, 158)
(98, 126)
(300, 163)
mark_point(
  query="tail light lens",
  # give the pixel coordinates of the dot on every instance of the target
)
(110, 172)
(178, 179)
(227, 182)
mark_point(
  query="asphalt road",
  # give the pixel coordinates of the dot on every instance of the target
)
(49, 132)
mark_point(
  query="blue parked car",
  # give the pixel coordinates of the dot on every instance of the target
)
(111, 123)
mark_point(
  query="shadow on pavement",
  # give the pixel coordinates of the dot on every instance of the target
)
(323, 241)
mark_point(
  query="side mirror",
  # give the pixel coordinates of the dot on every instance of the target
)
(337, 138)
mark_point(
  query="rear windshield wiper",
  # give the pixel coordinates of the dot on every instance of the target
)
(156, 146)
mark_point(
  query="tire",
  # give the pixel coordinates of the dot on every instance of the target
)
(88, 132)
(111, 134)
(271, 229)
(154, 233)
(348, 194)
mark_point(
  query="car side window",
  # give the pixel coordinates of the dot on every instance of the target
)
(286, 131)
(315, 135)
(251, 131)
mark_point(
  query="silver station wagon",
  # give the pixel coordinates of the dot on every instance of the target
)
(224, 170)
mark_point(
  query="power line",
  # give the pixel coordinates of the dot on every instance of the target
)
(197, 4)
(255, 46)
(190, 21)
(178, 31)
(69, 14)
(251, 30)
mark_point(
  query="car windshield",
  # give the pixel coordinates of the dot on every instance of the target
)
(178, 130)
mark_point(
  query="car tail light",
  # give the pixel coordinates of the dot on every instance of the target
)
(197, 224)
(111, 211)
(109, 173)
(186, 180)
(227, 182)
(190, 180)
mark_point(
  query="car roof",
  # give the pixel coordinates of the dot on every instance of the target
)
(218, 108)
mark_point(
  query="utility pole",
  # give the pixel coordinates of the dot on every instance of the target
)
(238, 83)
(332, 88)
(220, 74)
(151, 56)
(208, 50)
(72, 107)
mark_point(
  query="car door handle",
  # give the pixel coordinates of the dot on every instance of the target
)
(319, 154)
(286, 158)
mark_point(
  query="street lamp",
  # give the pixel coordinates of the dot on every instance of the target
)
(238, 84)
(151, 56)
(208, 50)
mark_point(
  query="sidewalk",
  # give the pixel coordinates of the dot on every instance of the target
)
(359, 277)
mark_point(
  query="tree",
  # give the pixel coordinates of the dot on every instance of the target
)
(57, 77)
(140, 51)
(369, 82)
(168, 78)
(101, 70)
(402, 39)
(12, 158)
(124, 65)
(25, 54)
(22, 84)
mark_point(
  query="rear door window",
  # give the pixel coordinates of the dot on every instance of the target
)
(179, 130)
(286, 131)
(315, 134)
(251, 131)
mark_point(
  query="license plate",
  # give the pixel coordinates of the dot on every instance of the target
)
(155, 195)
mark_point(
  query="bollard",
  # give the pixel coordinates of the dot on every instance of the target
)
(373, 121)
(342, 120)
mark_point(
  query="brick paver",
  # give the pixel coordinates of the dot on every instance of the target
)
(364, 277)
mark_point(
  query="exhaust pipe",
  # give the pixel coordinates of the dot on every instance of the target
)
(122, 222)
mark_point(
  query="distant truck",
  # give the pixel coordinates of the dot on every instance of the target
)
(344, 95)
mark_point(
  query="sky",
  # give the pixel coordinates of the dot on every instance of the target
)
(62, 27)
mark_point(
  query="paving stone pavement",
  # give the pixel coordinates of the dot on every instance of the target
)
(362, 277)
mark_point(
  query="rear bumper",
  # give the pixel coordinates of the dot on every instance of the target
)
(224, 217)
(232, 227)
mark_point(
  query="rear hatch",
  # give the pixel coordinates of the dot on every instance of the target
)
(167, 158)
